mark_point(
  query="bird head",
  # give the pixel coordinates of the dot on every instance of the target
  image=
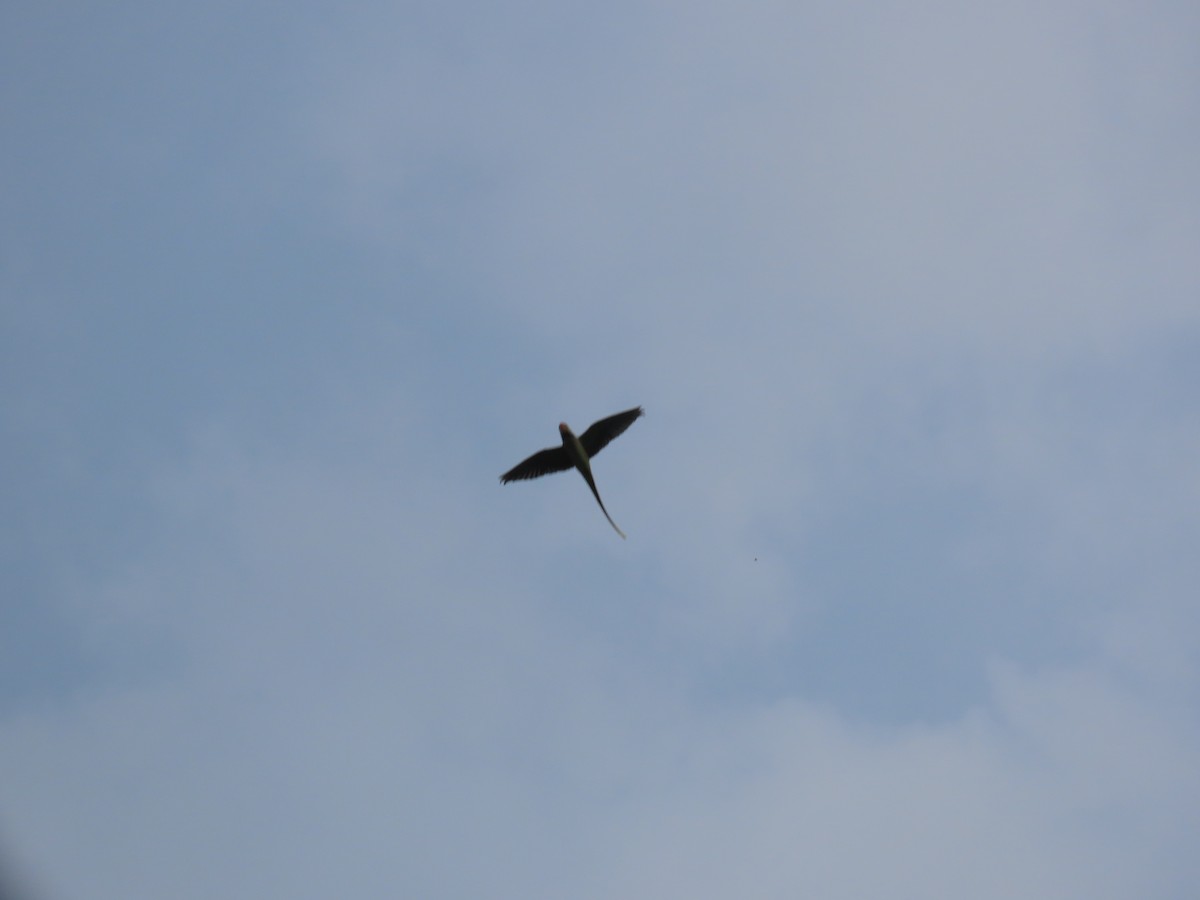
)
(563, 429)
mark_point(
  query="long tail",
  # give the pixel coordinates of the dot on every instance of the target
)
(587, 476)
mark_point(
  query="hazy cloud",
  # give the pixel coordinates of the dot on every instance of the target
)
(907, 602)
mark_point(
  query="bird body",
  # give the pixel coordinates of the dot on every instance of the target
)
(576, 452)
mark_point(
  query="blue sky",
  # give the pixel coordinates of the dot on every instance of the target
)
(908, 605)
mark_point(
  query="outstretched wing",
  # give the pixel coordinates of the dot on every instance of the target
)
(553, 459)
(598, 435)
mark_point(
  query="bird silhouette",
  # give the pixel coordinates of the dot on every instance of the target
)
(577, 452)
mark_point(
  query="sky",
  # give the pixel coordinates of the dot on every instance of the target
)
(908, 606)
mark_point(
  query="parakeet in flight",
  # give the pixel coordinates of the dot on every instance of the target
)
(577, 452)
